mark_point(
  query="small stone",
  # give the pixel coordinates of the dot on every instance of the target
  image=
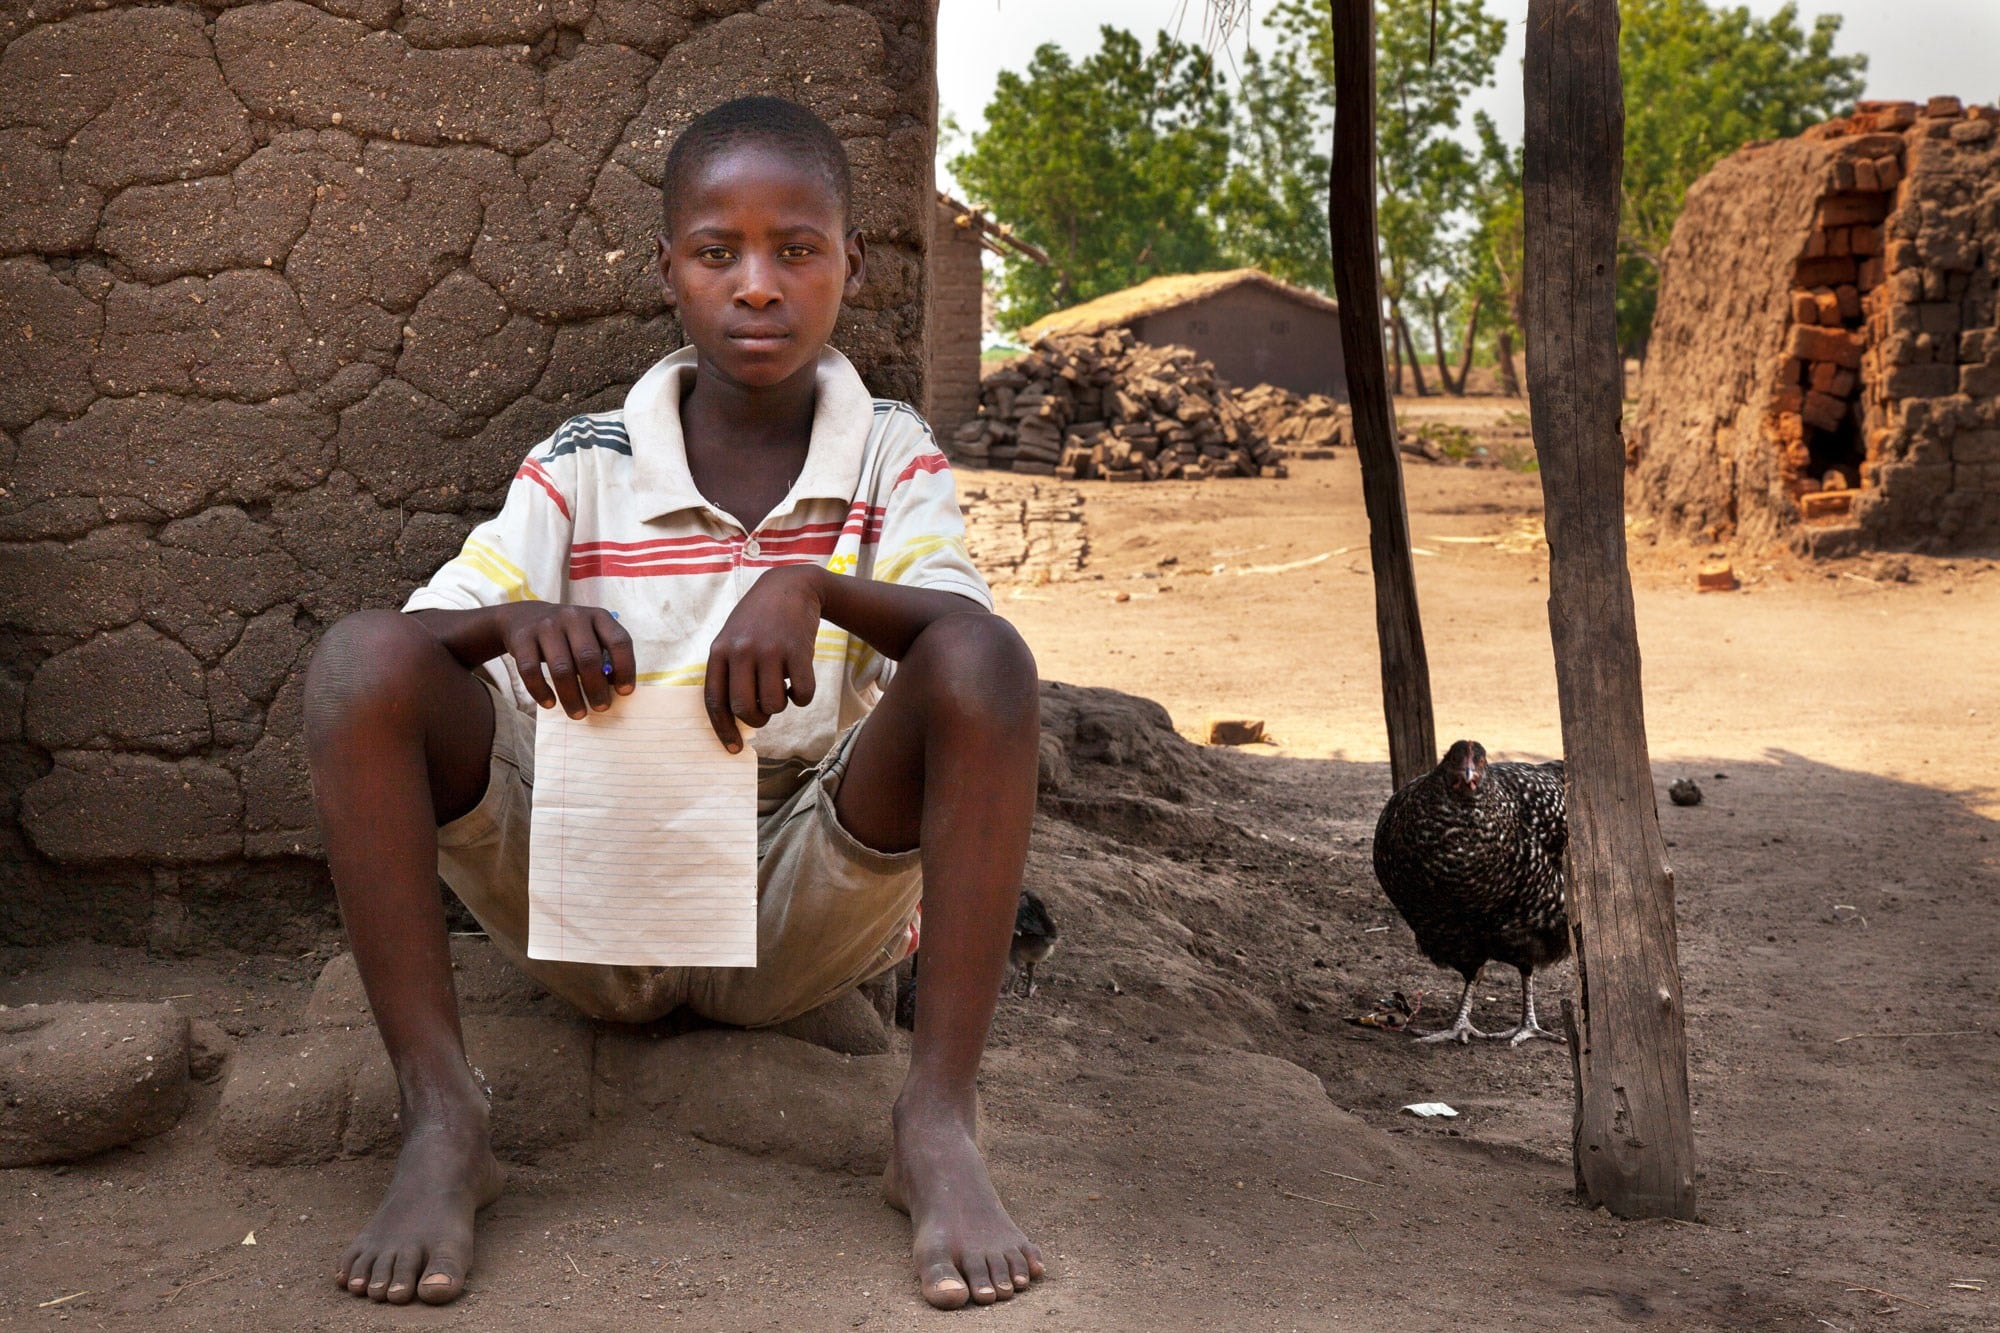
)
(1234, 731)
(1715, 576)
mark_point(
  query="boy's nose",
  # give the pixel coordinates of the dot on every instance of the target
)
(758, 289)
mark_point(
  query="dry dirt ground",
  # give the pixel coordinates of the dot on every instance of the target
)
(1184, 1115)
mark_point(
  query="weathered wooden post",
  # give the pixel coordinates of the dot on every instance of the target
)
(1350, 216)
(1634, 1140)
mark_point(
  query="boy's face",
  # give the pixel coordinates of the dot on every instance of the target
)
(758, 264)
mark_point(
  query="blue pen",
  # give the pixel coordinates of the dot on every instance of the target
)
(607, 662)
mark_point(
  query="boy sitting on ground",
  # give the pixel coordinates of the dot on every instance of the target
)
(767, 530)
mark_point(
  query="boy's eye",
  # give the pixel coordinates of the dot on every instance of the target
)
(797, 251)
(712, 253)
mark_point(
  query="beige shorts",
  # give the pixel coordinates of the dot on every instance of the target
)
(831, 913)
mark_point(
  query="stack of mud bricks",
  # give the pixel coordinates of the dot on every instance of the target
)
(287, 290)
(1107, 406)
(1894, 326)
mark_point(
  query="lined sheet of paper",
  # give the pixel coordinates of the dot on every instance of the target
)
(643, 849)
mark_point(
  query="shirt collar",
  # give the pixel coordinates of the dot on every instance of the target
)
(843, 415)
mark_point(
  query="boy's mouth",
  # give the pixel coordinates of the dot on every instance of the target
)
(759, 335)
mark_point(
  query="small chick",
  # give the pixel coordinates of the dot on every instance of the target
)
(1685, 791)
(1035, 937)
(1034, 940)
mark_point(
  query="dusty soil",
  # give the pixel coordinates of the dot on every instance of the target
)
(1148, 1118)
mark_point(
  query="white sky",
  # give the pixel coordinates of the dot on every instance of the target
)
(1915, 48)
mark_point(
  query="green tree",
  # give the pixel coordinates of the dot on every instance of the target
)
(1109, 165)
(1271, 213)
(1493, 290)
(1699, 83)
(1425, 177)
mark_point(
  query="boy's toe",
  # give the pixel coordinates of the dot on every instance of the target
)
(402, 1287)
(1017, 1268)
(984, 1292)
(443, 1281)
(944, 1286)
(379, 1274)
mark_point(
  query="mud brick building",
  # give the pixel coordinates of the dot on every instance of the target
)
(286, 292)
(1825, 361)
(1255, 329)
(957, 316)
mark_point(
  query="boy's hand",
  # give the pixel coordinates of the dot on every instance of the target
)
(573, 643)
(766, 642)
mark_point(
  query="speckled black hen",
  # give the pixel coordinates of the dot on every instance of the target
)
(1471, 854)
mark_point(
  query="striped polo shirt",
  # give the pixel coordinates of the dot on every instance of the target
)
(604, 513)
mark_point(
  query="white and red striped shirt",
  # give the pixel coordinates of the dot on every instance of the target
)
(604, 513)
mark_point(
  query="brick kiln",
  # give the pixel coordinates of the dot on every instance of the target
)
(1825, 361)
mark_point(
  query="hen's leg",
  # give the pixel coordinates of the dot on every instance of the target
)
(1529, 1028)
(1461, 1029)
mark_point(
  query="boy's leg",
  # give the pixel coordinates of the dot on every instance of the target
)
(399, 736)
(947, 763)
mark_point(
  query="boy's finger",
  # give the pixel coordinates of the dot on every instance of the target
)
(800, 670)
(588, 655)
(528, 661)
(771, 688)
(562, 670)
(715, 696)
(743, 691)
(618, 645)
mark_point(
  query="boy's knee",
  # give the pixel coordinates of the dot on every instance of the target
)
(361, 664)
(979, 665)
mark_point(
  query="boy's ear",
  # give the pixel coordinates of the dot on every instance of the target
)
(663, 258)
(857, 265)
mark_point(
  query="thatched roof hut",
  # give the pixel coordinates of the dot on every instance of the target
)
(1256, 329)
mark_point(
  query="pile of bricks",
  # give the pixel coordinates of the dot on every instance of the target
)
(1024, 531)
(1107, 406)
(1308, 426)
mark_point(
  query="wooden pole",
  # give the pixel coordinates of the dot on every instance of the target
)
(1634, 1140)
(1357, 275)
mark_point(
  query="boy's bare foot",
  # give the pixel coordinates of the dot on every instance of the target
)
(966, 1247)
(419, 1243)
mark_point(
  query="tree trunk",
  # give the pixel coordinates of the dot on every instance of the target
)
(1503, 357)
(1633, 1137)
(1410, 346)
(1357, 276)
(1471, 336)
(1396, 358)
(1437, 350)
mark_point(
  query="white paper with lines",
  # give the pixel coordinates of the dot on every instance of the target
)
(644, 842)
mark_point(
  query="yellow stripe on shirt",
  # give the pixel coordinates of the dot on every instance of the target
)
(892, 569)
(496, 569)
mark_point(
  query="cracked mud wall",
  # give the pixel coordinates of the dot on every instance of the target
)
(286, 292)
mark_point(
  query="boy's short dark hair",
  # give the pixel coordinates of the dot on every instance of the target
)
(790, 128)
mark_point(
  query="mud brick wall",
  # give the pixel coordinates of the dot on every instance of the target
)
(286, 291)
(958, 298)
(1825, 364)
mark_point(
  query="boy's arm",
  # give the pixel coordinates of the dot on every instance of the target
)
(887, 617)
(764, 654)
